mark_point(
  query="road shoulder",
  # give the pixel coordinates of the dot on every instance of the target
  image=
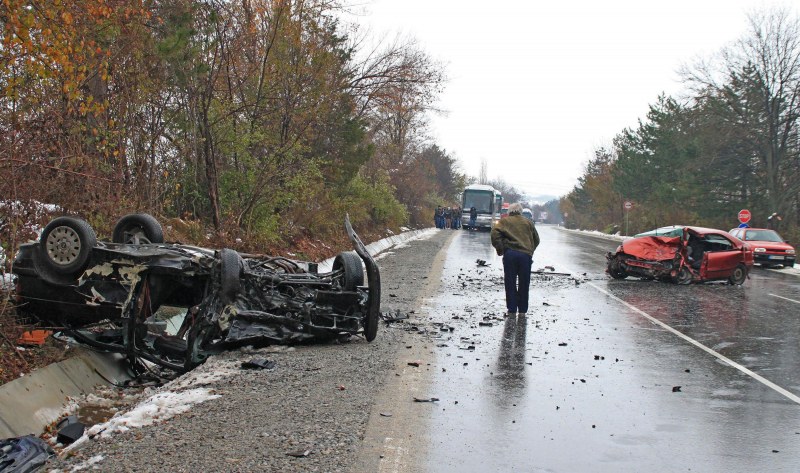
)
(393, 441)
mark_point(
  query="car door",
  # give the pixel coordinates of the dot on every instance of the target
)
(722, 259)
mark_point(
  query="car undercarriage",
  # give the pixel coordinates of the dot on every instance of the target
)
(116, 296)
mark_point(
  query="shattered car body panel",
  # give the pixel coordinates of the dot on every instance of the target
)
(695, 254)
(229, 298)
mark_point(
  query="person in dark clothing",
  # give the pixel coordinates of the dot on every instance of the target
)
(437, 217)
(448, 217)
(457, 218)
(473, 217)
(515, 238)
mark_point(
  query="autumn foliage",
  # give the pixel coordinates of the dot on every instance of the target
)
(263, 120)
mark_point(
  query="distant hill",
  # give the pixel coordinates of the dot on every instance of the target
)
(539, 199)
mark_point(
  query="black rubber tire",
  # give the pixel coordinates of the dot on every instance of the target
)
(371, 325)
(66, 244)
(739, 275)
(684, 276)
(138, 229)
(615, 271)
(230, 273)
(350, 262)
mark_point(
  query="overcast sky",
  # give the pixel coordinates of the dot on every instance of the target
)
(534, 87)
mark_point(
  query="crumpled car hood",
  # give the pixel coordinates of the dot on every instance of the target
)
(652, 248)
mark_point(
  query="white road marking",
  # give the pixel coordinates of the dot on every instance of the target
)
(786, 298)
(699, 345)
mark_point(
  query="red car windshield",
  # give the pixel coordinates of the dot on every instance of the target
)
(762, 235)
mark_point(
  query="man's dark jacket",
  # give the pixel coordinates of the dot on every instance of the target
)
(515, 232)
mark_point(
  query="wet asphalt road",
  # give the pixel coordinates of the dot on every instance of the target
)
(588, 383)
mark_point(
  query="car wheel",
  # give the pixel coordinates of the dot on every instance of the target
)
(684, 276)
(615, 271)
(350, 263)
(138, 229)
(230, 273)
(65, 246)
(739, 275)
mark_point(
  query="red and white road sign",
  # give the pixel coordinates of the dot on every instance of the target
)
(744, 216)
(628, 205)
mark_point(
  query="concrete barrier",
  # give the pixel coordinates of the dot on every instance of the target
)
(39, 398)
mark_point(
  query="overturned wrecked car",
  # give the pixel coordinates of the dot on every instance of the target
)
(115, 296)
(683, 255)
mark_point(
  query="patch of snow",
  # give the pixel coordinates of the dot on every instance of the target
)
(616, 236)
(175, 397)
(88, 463)
(157, 408)
(211, 371)
(383, 255)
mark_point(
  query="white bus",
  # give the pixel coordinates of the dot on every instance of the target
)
(487, 201)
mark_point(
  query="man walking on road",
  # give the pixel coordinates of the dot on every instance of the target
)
(515, 238)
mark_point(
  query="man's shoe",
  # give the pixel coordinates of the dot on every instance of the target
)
(523, 314)
(510, 314)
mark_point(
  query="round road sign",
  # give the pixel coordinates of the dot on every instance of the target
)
(744, 216)
(628, 205)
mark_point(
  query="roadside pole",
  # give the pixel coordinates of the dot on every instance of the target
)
(627, 206)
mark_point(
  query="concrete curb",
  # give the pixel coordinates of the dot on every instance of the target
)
(32, 402)
(384, 244)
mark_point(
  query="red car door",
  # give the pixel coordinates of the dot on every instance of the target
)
(722, 260)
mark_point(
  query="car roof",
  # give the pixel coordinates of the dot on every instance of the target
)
(676, 230)
(705, 230)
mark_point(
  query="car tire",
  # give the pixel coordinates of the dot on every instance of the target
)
(230, 273)
(615, 271)
(684, 276)
(65, 246)
(739, 275)
(350, 262)
(138, 229)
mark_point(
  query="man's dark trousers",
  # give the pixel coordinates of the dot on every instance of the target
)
(517, 267)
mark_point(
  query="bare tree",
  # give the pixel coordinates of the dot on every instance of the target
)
(483, 174)
(756, 87)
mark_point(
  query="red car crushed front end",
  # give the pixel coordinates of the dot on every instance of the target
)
(697, 255)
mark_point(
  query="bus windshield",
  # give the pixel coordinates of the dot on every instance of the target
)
(481, 200)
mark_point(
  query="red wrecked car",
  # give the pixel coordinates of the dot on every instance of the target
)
(682, 255)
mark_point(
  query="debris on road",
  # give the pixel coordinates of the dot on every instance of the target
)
(299, 453)
(24, 454)
(395, 317)
(69, 430)
(433, 399)
(258, 364)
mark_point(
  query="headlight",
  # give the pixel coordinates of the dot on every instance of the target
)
(759, 250)
(789, 252)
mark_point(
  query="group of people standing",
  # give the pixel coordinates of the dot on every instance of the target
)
(447, 217)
